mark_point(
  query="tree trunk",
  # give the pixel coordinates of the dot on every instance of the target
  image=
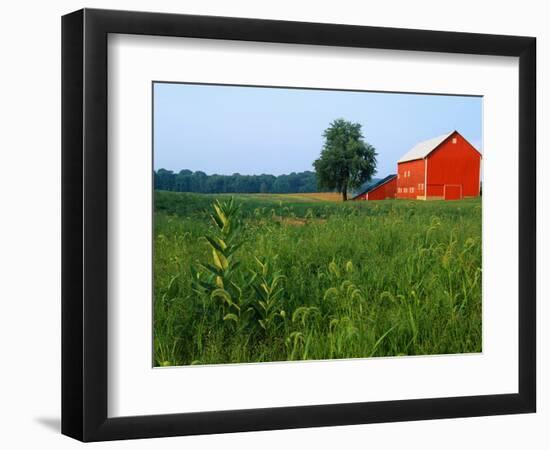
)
(345, 192)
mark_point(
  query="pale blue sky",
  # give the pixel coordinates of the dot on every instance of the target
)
(254, 130)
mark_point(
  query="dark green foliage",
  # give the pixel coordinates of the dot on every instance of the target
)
(188, 181)
(346, 161)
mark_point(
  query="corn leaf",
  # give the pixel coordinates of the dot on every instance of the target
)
(220, 261)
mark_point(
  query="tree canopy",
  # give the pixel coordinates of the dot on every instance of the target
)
(346, 160)
(188, 181)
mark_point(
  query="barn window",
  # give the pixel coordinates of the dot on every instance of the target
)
(454, 140)
(405, 190)
(412, 190)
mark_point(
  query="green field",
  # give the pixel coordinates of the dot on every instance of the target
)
(288, 277)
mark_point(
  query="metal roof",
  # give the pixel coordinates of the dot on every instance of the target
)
(378, 183)
(424, 148)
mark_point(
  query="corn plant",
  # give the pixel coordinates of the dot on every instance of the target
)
(266, 306)
(217, 278)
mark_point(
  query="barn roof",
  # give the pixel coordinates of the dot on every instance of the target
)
(424, 148)
(373, 186)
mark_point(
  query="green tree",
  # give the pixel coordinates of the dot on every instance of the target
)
(187, 181)
(346, 160)
(165, 180)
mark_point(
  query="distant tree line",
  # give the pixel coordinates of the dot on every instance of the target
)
(189, 181)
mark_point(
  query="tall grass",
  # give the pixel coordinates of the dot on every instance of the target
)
(314, 280)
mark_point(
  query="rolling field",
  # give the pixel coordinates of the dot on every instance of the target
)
(268, 277)
(314, 196)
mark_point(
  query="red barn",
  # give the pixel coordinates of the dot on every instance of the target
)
(380, 190)
(443, 168)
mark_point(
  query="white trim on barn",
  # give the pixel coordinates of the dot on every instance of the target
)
(425, 178)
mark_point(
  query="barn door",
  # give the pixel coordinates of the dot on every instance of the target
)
(452, 191)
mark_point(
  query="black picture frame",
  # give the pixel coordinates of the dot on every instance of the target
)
(84, 224)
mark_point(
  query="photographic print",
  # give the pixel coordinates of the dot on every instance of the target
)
(327, 210)
(297, 224)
